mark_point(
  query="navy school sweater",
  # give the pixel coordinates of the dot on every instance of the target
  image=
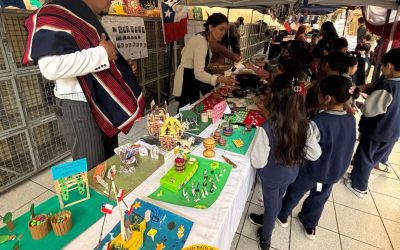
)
(381, 112)
(337, 133)
(262, 157)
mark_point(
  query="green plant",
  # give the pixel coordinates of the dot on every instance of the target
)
(7, 218)
(32, 210)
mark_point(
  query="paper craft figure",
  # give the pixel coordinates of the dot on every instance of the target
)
(154, 152)
(143, 151)
(71, 177)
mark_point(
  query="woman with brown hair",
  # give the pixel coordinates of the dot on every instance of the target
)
(301, 34)
(191, 77)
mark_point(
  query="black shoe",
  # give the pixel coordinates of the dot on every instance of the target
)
(256, 219)
(308, 232)
(259, 232)
(283, 221)
(263, 246)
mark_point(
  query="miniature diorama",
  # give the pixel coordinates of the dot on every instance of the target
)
(156, 118)
(126, 154)
(61, 222)
(130, 236)
(156, 227)
(7, 219)
(209, 145)
(198, 186)
(71, 177)
(170, 134)
(39, 225)
(177, 177)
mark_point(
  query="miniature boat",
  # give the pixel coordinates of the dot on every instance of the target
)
(134, 243)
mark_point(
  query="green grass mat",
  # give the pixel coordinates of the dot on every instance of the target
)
(84, 214)
(247, 138)
(177, 198)
(128, 181)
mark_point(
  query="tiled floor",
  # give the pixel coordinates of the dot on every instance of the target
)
(347, 222)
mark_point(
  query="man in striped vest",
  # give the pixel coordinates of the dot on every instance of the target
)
(97, 94)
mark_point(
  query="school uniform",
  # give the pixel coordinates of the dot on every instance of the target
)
(379, 128)
(337, 136)
(275, 177)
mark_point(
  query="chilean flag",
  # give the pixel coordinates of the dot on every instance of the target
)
(107, 208)
(174, 18)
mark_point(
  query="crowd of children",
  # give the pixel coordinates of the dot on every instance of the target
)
(307, 143)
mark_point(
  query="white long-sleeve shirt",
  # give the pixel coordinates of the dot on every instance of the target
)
(64, 70)
(193, 57)
(261, 149)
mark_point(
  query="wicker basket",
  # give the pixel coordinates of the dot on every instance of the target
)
(63, 227)
(218, 68)
(41, 230)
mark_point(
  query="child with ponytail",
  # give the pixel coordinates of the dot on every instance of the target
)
(281, 146)
(336, 133)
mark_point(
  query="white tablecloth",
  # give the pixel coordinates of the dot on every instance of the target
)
(215, 226)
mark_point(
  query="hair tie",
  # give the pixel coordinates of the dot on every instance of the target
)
(351, 90)
(300, 89)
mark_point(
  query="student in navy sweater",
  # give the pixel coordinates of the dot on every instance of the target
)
(379, 125)
(283, 144)
(337, 135)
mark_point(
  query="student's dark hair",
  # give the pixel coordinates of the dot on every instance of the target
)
(352, 58)
(340, 43)
(393, 57)
(215, 19)
(301, 51)
(328, 31)
(288, 121)
(292, 67)
(337, 61)
(361, 20)
(339, 87)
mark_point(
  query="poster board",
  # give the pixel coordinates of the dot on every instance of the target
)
(128, 34)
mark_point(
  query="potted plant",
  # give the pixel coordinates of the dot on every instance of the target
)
(7, 219)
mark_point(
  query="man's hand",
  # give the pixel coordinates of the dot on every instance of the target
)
(109, 47)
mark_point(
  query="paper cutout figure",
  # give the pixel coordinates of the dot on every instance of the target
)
(181, 232)
(151, 233)
(154, 152)
(147, 215)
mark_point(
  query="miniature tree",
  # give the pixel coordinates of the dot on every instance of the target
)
(32, 210)
(7, 219)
